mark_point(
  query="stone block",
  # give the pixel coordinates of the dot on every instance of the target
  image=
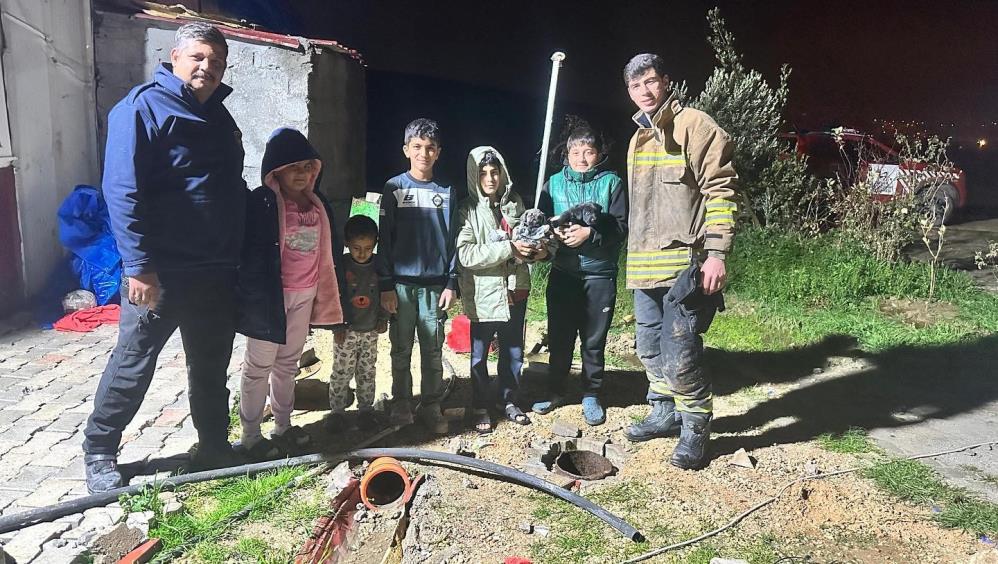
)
(537, 455)
(171, 416)
(68, 423)
(50, 491)
(63, 550)
(131, 454)
(616, 454)
(592, 444)
(27, 543)
(28, 478)
(566, 445)
(563, 428)
(543, 473)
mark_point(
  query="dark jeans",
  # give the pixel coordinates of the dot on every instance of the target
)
(202, 305)
(584, 308)
(510, 336)
(670, 346)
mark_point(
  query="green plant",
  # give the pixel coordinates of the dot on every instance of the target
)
(988, 259)
(915, 482)
(147, 499)
(852, 441)
(211, 507)
(772, 185)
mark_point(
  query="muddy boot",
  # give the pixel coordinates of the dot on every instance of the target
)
(102, 473)
(661, 422)
(691, 452)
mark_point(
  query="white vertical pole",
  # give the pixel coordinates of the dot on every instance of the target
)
(556, 60)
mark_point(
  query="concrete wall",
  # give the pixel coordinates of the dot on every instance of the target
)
(340, 136)
(271, 88)
(48, 76)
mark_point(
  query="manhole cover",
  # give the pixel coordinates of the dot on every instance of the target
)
(583, 464)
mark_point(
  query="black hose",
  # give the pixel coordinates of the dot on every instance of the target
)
(18, 521)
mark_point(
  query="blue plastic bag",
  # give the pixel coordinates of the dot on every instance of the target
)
(85, 230)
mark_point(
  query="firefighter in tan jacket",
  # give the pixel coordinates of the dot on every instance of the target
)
(681, 223)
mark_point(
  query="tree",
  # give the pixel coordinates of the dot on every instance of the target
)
(773, 185)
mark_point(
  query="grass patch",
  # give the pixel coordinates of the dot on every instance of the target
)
(852, 441)
(576, 536)
(208, 509)
(786, 291)
(915, 482)
(235, 425)
(795, 291)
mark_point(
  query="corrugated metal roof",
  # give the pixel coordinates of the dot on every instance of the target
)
(240, 29)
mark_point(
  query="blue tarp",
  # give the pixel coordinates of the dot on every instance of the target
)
(85, 230)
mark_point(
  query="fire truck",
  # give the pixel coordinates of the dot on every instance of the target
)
(852, 157)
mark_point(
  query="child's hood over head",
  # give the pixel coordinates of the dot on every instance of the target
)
(286, 147)
(474, 173)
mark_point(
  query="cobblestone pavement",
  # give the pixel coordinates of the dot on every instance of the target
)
(47, 383)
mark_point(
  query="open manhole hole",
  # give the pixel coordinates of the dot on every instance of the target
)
(583, 465)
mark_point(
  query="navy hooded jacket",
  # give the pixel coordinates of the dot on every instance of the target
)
(173, 178)
(260, 291)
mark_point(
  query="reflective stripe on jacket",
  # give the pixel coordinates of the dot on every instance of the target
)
(681, 186)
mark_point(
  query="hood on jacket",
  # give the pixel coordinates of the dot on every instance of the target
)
(474, 179)
(287, 146)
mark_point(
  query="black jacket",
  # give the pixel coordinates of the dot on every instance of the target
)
(260, 292)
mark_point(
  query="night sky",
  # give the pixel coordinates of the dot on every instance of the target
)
(853, 62)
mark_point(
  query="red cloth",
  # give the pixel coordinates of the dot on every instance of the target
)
(516, 560)
(87, 320)
(459, 338)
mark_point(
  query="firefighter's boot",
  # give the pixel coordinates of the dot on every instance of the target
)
(661, 422)
(691, 452)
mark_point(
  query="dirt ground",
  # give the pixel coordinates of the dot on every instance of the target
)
(470, 518)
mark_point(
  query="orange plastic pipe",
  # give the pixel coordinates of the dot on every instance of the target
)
(376, 473)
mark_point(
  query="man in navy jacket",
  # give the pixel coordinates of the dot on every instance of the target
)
(174, 189)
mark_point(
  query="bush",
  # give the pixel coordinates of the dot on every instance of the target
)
(772, 184)
(829, 269)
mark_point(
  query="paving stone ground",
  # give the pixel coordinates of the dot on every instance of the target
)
(47, 384)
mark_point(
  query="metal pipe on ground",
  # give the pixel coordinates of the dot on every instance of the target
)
(45, 514)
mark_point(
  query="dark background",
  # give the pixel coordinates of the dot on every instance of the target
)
(482, 69)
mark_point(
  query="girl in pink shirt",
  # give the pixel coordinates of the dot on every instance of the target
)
(287, 283)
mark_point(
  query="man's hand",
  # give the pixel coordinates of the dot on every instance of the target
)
(575, 235)
(143, 289)
(340, 337)
(714, 275)
(390, 301)
(382, 327)
(446, 299)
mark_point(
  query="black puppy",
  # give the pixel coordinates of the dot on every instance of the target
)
(585, 214)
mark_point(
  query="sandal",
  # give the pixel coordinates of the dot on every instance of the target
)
(483, 422)
(516, 415)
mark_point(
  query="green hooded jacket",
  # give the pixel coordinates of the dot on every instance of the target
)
(487, 271)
